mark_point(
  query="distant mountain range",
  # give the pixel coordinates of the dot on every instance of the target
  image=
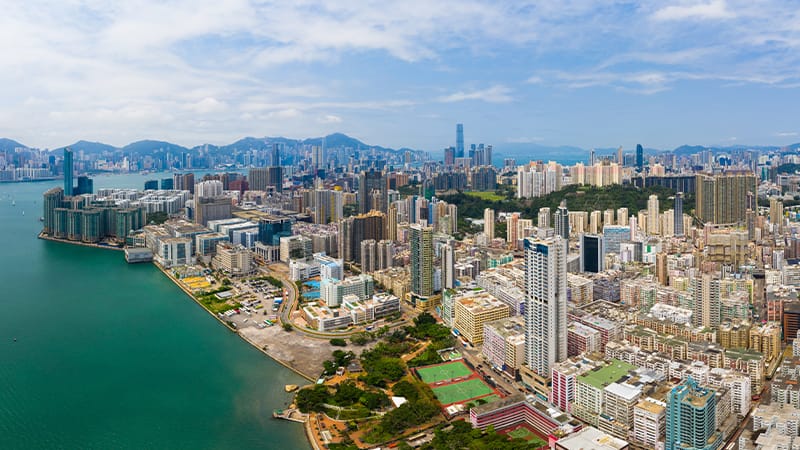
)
(342, 140)
(149, 146)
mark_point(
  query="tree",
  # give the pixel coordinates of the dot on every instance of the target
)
(287, 326)
(375, 400)
(347, 393)
(424, 319)
(312, 399)
(338, 342)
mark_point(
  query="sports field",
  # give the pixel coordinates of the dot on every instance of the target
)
(441, 372)
(461, 392)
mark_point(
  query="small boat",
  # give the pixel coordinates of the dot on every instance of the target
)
(13, 203)
(41, 219)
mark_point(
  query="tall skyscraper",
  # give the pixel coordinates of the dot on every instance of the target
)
(459, 140)
(639, 157)
(53, 198)
(706, 293)
(724, 198)
(677, 209)
(448, 265)
(561, 219)
(691, 418)
(620, 157)
(421, 240)
(372, 192)
(488, 223)
(592, 253)
(68, 171)
(545, 303)
(275, 159)
(653, 217)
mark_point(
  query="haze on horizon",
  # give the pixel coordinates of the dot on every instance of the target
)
(573, 72)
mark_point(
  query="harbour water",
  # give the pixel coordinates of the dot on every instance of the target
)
(99, 354)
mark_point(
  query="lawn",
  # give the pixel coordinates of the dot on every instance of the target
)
(486, 195)
(461, 392)
(524, 433)
(440, 372)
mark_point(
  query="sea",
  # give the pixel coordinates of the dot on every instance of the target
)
(99, 354)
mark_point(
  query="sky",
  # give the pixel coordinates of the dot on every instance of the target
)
(552, 72)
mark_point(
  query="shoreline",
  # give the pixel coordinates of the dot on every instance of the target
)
(244, 338)
(307, 424)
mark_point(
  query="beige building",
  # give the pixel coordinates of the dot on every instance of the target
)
(233, 259)
(471, 313)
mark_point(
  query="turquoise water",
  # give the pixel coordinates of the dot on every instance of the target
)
(114, 356)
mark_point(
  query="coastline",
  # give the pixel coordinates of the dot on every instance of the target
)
(85, 244)
(244, 338)
(307, 424)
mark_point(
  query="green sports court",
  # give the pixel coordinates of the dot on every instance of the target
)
(462, 391)
(441, 372)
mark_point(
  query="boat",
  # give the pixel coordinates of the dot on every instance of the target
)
(13, 203)
(41, 219)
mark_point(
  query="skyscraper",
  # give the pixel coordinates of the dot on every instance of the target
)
(639, 157)
(653, 218)
(372, 192)
(543, 218)
(724, 198)
(459, 140)
(678, 211)
(68, 171)
(421, 240)
(488, 223)
(545, 303)
(591, 253)
(561, 220)
(448, 265)
(691, 418)
(620, 157)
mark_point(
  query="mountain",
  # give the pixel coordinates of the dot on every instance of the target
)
(149, 146)
(87, 147)
(10, 145)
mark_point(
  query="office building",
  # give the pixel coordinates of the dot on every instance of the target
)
(372, 192)
(677, 210)
(354, 230)
(545, 303)
(561, 220)
(448, 265)
(183, 182)
(653, 216)
(459, 141)
(639, 158)
(212, 208)
(592, 255)
(691, 418)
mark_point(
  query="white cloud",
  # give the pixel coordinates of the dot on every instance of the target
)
(330, 118)
(787, 133)
(495, 94)
(715, 9)
(208, 105)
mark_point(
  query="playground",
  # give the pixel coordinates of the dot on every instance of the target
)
(462, 391)
(443, 372)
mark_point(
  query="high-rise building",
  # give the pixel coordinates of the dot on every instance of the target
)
(653, 218)
(561, 220)
(208, 188)
(183, 182)
(723, 198)
(448, 265)
(68, 171)
(543, 220)
(706, 292)
(459, 140)
(372, 192)
(212, 208)
(421, 240)
(353, 230)
(488, 223)
(545, 303)
(639, 157)
(151, 185)
(85, 186)
(691, 418)
(264, 178)
(592, 255)
(677, 209)
(53, 198)
(391, 223)
(620, 158)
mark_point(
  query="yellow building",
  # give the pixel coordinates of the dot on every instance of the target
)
(471, 313)
(767, 340)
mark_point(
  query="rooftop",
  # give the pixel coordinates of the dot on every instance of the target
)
(600, 378)
(591, 438)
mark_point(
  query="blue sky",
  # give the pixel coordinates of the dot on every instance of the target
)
(566, 72)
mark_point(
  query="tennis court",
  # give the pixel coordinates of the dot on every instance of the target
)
(461, 392)
(441, 372)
